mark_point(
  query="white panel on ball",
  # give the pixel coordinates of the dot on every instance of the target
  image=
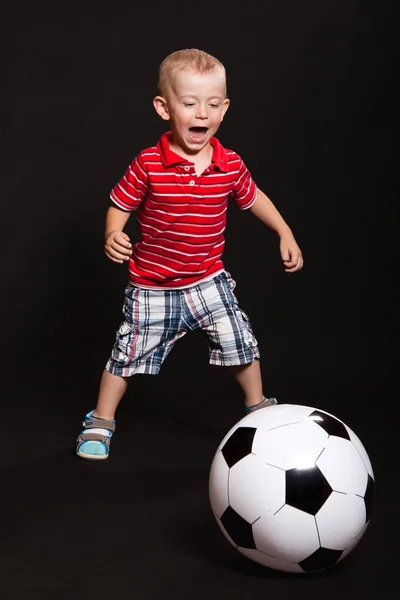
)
(256, 489)
(341, 520)
(270, 561)
(290, 535)
(281, 415)
(296, 445)
(339, 453)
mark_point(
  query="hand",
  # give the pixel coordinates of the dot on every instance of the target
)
(291, 254)
(118, 247)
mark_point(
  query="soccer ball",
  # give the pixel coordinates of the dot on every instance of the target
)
(291, 488)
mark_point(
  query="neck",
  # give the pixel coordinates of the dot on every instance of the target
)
(204, 153)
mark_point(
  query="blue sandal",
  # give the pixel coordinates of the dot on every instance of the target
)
(93, 442)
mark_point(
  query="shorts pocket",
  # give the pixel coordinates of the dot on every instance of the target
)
(123, 342)
(231, 281)
(247, 331)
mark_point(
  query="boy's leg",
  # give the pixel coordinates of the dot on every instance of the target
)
(212, 307)
(112, 388)
(151, 327)
(249, 378)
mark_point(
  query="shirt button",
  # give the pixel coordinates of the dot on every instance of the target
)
(187, 168)
(191, 182)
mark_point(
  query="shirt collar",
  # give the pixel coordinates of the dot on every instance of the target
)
(169, 158)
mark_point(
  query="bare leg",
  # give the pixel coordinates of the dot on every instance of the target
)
(249, 378)
(112, 388)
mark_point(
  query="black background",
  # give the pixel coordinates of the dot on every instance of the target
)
(313, 113)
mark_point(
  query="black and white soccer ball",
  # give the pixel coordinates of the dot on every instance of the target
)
(291, 488)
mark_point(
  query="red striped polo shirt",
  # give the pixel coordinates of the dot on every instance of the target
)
(181, 216)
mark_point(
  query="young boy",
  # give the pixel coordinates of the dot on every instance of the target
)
(177, 282)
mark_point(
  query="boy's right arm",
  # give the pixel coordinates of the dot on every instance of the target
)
(118, 247)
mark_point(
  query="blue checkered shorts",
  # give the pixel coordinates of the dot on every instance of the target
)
(156, 319)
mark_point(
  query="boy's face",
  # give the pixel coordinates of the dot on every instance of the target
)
(195, 105)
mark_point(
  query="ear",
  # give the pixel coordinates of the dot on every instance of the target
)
(161, 106)
(225, 106)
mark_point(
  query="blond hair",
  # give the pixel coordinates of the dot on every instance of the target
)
(189, 59)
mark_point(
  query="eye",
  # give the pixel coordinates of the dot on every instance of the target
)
(188, 103)
(214, 105)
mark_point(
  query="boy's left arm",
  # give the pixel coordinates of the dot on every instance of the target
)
(266, 212)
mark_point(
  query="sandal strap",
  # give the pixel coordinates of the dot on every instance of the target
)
(89, 437)
(94, 422)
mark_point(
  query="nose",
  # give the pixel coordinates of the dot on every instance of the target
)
(202, 112)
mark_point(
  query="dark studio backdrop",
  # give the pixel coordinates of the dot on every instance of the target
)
(313, 113)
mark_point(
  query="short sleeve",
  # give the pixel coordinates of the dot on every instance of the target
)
(129, 192)
(244, 190)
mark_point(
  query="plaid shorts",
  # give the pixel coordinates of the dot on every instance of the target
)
(156, 319)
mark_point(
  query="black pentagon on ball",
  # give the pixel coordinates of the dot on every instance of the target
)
(320, 559)
(330, 424)
(307, 489)
(369, 497)
(238, 445)
(239, 529)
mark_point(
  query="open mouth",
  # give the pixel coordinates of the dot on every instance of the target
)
(198, 133)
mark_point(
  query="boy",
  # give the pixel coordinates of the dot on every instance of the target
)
(177, 281)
